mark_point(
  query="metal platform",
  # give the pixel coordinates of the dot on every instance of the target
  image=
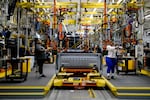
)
(129, 85)
(131, 81)
(33, 77)
(34, 86)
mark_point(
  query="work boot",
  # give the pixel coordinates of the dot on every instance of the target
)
(112, 77)
(42, 75)
(108, 77)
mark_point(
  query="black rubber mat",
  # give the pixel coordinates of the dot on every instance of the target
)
(33, 78)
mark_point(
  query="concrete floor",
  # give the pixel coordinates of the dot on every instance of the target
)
(70, 94)
(56, 94)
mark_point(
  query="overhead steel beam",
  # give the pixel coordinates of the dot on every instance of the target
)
(89, 13)
(99, 5)
(69, 22)
(47, 4)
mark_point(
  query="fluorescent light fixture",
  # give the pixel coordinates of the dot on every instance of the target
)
(147, 11)
(147, 16)
(117, 3)
(95, 9)
(37, 36)
(113, 1)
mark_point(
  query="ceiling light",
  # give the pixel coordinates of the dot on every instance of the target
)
(147, 16)
(117, 3)
(95, 9)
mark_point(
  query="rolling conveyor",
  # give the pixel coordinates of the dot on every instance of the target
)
(78, 70)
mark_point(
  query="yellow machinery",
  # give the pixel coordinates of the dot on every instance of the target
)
(79, 70)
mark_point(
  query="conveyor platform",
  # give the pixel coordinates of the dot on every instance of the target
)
(79, 70)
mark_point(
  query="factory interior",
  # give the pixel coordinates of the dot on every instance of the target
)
(74, 49)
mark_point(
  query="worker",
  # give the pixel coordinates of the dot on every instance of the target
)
(97, 49)
(111, 60)
(40, 55)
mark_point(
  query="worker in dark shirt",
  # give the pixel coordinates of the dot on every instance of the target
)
(40, 54)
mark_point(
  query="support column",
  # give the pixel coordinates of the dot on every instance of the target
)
(139, 47)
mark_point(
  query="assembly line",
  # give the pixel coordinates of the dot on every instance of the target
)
(74, 49)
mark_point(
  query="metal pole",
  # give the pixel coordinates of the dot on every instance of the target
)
(18, 29)
(105, 19)
(27, 27)
(140, 37)
(55, 16)
(51, 28)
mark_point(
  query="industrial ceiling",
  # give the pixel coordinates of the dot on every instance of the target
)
(86, 13)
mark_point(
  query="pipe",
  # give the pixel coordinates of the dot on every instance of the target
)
(105, 12)
(18, 29)
(55, 17)
(27, 27)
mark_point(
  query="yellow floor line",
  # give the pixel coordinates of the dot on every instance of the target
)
(25, 94)
(91, 93)
(133, 94)
(50, 83)
(22, 87)
(133, 88)
(109, 84)
(145, 72)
